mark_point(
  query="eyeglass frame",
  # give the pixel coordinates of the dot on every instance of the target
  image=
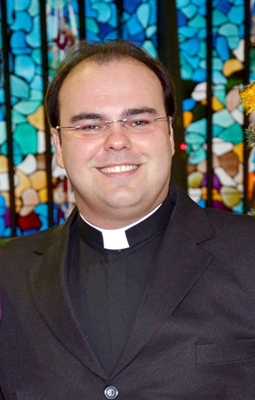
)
(108, 124)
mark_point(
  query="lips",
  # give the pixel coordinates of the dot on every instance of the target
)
(118, 168)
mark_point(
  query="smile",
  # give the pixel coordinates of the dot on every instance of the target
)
(119, 168)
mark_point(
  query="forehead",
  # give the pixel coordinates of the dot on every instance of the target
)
(110, 89)
(115, 71)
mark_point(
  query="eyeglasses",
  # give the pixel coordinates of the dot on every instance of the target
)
(133, 124)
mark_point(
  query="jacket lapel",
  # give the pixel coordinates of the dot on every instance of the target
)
(181, 261)
(48, 286)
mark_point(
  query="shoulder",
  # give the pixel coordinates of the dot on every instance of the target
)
(226, 221)
(22, 244)
(17, 251)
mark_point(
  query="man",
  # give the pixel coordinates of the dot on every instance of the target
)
(141, 294)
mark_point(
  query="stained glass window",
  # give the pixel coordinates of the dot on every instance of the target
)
(212, 69)
(34, 192)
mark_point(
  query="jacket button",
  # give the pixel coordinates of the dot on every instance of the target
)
(111, 392)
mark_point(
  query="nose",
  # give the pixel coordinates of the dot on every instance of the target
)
(117, 137)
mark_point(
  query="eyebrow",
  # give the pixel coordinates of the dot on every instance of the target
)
(82, 116)
(126, 113)
(137, 111)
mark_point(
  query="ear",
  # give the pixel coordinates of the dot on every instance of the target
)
(58, 146)
(171, 135)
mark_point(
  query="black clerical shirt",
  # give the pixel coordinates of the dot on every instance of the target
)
(107, 286)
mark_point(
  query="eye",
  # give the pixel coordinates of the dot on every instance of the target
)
(90, 127)
(139, 122)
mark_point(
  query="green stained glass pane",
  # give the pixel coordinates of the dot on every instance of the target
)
(26, 137)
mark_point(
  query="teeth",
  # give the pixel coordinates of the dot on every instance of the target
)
(119, 168)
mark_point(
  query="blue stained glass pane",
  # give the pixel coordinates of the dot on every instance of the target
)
(44, 222)
(193, 61)
(149, 46)
(236, 14)
(182, 3)
(189, 11)
(136, 38)
(188, 104)
(219, 78)
(143, 14)
(238, 209)
(202, 34)
(131, 5)
(222, 48)
(104, 29)
(24, 67)
(37, 56)
(28, 232)
(103, 11)
(151, 31)
(202, 203)
(187, 32)
(134, 26)
(202, 51)
(202, 8)
(33, 8)
(18, 39)
(93, 37)
(199, 3)
(153, 11)
(1, 109)
(216, 129)
(21, 4)
(90, 12)
(232, 34)
(223, 6)
(22, 22)
(190, 46)
(34, 37)
(41, 209)
(181, 19)
(112, 21)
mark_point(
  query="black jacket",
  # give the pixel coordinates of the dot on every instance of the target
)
(194, 333)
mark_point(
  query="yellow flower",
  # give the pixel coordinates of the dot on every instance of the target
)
(248, 98)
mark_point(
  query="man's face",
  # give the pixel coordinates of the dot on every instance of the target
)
(118, 176)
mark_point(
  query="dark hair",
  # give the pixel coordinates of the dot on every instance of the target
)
(103, 52)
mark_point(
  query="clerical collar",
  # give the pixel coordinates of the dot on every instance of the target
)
(116, 239)
(149, 226)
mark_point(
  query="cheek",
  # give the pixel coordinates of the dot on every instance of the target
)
(158, 147)
(78, 153)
